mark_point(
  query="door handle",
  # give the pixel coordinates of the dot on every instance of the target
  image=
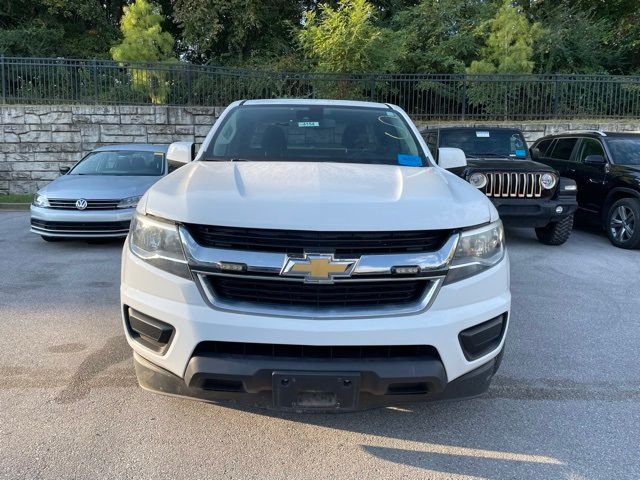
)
(571, 170)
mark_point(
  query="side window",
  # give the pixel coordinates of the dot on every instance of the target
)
(173, 166)
(563, 148)
(544, 145)
(431, 139)
(590, 147)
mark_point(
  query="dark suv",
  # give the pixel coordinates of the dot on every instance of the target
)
(606, 167)
(525, 193)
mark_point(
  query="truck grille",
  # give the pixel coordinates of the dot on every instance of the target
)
(513, 185)
(344, 294)
(70, 204)
(299, 241)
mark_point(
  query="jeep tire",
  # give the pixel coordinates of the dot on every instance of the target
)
(556, 233)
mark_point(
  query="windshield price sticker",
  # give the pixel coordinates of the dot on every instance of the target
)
(482, 134)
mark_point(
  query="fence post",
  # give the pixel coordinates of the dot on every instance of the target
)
(4, 93)
(372, 95)
(94, 64)
(464, 97)
(555, 95)
(189, 99)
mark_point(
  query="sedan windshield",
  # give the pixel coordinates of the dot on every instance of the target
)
(123, 162)
(625, 151)
(485, 143)
(316, 133)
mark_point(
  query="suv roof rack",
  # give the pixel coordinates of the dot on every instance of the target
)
(573, 132)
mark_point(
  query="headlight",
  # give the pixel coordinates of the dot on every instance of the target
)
(478, 250)
(548, 181)
(130, 202)
(158, 243)
(40, 201)
(478, 180)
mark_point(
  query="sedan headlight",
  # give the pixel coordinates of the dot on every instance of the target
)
(40, 201)
(478, 250)
(157, 242)
(130, 202)
(548, 181)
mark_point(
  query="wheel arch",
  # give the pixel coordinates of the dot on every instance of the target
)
(613, 196)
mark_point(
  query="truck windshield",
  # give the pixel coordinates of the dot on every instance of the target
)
(625, 151)
(485, 143)
(315, 133)
(124, 162)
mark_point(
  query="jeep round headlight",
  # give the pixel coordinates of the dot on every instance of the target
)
(40, 201)
(548, 181)
(157, 242)
(478, 180)
(478, 250)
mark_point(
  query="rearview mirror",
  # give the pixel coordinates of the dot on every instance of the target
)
(64, 169)
(451, 158)
(595, 160)
(181, 152)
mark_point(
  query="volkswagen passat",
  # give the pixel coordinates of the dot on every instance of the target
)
(97, 197)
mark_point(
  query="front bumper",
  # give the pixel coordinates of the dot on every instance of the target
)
(179, 303)
(534, 212)
(81, 224)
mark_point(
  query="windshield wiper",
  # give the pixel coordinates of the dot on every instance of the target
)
(488, 154)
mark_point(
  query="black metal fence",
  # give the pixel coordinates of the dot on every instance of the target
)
(423, 96)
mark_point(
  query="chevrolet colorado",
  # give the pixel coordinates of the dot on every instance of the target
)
(313, 256)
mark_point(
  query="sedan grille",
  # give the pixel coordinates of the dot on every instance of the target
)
(513, 185)
(86, 227)
(318, 296)
(70, 204)
(300, 241)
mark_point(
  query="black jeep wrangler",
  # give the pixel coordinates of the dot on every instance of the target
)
(525, 193)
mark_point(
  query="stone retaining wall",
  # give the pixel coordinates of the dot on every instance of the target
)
(36, 139)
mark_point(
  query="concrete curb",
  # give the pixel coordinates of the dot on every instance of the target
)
(15, 207)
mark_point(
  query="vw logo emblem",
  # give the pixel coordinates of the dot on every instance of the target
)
(81, 204)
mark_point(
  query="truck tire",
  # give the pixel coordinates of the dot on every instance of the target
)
(556, 233)
(623, 223)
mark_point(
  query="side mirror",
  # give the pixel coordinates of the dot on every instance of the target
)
(535, 153)
(451, 158)
(64, 169)
(181, 152)
(595, 160)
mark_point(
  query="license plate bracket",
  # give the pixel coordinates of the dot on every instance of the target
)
(315, 390)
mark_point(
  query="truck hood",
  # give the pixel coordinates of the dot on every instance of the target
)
(506, 164)
(318, 196)
(98, 187)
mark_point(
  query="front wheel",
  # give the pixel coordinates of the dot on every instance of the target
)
(556, 233)
(623, 223)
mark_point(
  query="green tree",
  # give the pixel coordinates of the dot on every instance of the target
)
(57, 28)
(439, 36)
(509, 46)
(346, 39)
(144, 41)
(237, 32)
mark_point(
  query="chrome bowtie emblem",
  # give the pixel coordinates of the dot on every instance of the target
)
(318, 268)
(81, 204)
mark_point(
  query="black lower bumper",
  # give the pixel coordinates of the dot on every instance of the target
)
(314, 385)
(533, 212)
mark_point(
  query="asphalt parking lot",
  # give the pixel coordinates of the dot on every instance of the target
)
(565, 404)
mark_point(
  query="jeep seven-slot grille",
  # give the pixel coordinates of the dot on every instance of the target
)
(295, 293)
(513, 185)
(68, 204)
(300, 241)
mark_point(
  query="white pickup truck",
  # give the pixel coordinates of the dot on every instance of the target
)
(312, 256)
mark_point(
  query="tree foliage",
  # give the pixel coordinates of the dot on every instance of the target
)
(346, 40)
(509, 46)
